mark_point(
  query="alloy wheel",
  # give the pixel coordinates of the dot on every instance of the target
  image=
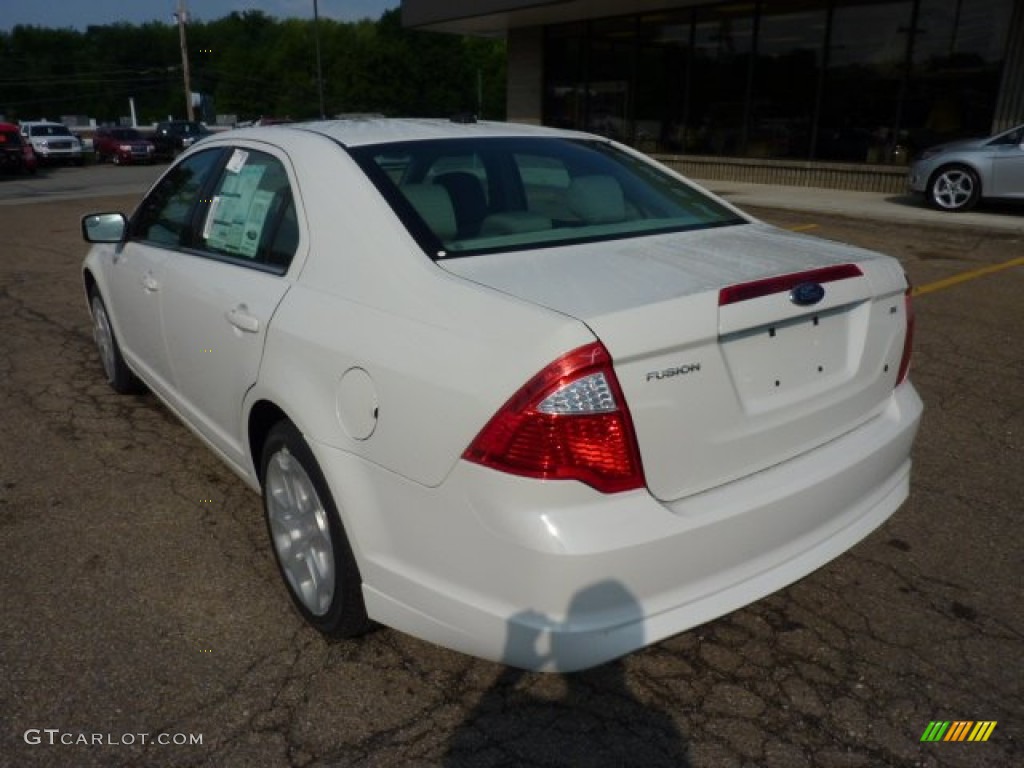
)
(300, 532)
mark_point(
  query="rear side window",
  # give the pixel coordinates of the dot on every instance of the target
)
(251, 214)
(461, 197)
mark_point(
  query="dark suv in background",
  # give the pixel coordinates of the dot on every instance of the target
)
(174, 136)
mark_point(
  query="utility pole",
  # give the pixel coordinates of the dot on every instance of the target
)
(182, 16)
(319, 68)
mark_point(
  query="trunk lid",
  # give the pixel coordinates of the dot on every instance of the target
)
(722, 384)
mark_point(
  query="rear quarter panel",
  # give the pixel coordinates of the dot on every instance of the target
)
(442, 354)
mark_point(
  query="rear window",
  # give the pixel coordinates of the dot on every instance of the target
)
(464, 197)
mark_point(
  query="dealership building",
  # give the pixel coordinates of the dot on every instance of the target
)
(773, 90)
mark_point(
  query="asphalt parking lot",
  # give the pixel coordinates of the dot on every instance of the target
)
(141, 611)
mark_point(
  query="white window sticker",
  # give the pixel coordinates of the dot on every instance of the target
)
(237, 161)
(252, 230)
(235, 222)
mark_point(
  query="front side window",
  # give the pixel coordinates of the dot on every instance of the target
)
(165, 215)
(462, 197)
(1011, 138)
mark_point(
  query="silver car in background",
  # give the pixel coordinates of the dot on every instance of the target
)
(956, 175)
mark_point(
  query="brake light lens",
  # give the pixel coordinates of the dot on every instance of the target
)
(908, 340)
(569, 422)
(755, 289)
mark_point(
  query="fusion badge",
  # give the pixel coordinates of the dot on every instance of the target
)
(668, 373)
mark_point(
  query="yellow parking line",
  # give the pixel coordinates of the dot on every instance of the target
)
(803, 227)
(963, 277)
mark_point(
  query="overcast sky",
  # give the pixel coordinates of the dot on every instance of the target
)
(79, 14)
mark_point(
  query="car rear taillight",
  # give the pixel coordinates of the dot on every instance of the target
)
(569, 422)
(908, 340)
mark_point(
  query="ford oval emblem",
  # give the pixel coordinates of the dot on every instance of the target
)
(806, 294)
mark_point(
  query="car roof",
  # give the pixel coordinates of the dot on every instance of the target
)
(367, 131)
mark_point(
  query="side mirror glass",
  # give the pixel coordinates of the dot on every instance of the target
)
(104, 227)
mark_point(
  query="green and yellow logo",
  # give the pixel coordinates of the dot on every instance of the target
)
(958, 730)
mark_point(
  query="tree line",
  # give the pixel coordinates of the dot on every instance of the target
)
(250, 65)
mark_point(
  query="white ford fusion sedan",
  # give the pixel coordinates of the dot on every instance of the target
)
(521, 392)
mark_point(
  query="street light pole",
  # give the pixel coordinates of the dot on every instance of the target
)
(182, 16)
(319, 69)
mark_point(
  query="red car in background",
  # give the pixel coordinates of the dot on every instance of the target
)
(122, 146)
(16, 154)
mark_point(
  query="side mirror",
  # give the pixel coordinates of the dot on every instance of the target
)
(104, 227)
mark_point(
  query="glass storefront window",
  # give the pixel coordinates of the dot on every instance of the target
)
(564, 81)
(865, 81)
(787, 78)
(958, 53)
(662, 82)
(723, 40)
(610, 74)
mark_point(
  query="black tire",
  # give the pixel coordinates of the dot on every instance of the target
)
(307, 536)
(119, 376)
(954, 188)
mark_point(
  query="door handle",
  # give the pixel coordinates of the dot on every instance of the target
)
(149, 283)
(242, 320)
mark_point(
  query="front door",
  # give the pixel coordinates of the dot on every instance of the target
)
(218, 298)
(159, 228)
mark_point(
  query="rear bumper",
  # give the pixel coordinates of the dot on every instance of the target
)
(556, 576)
